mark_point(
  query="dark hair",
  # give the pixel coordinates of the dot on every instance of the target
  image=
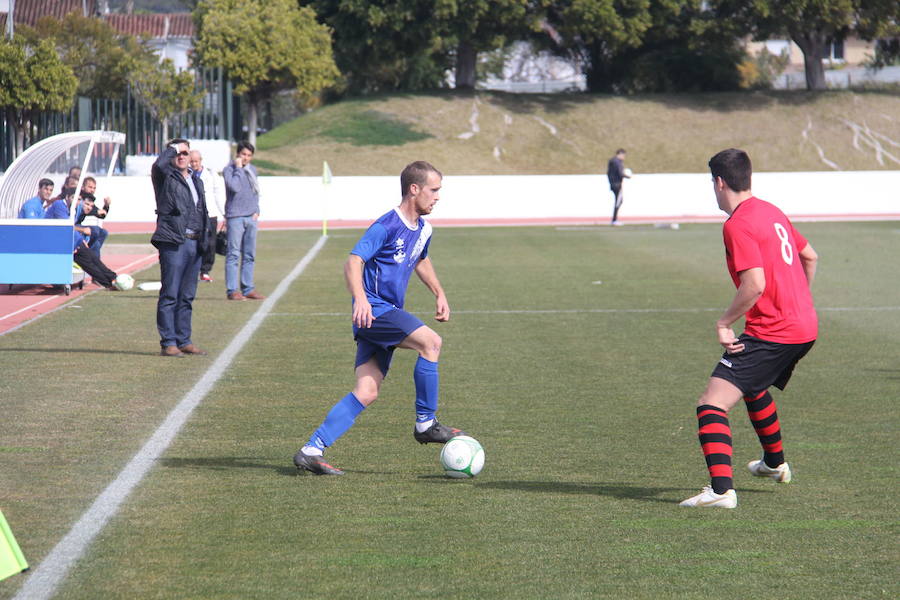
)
(73, 179)
(176, 141)
(245, 145)
(45, 182)
(73, 167)
(86, 179)
(734, 167)
(416, 173)
(620, 151)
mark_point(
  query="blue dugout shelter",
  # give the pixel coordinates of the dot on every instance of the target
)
(40, 250)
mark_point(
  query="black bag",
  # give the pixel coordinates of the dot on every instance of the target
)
(222, 243)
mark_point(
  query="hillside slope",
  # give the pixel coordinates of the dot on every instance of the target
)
(496, 133)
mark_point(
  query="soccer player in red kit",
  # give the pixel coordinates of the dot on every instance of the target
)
(773, 267)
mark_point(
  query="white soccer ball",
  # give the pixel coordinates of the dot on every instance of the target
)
(628, 172)
(124, 282)
(462, 457)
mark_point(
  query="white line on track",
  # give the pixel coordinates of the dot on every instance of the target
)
(32, 305)
(48, 299)
(51, 572)
(574, 311)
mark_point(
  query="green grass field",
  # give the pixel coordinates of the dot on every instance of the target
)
(575, 355)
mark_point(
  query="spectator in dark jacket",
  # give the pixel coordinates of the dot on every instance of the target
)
(89, 208)
(181, 224)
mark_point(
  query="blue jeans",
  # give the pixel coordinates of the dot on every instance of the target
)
(241, 247)
(179, 266)
(98, 236)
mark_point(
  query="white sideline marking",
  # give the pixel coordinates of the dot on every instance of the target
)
(51, 572)
(574, 311)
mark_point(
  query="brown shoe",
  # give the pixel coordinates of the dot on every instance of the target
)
(192, 349)
(254, 295)
(236, 296)
(171, 351)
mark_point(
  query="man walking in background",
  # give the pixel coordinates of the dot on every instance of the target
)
(615, 172)
(215, 208)
(773, 267)
(241, 217)
(180, 235)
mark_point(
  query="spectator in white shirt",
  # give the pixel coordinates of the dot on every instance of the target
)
(215, 206)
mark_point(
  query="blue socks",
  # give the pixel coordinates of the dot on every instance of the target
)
(425, 376)
(338, 420)
(343, 414)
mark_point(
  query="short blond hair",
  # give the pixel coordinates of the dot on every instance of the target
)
(416, 173)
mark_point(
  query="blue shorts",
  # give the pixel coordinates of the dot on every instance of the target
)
(386, 332)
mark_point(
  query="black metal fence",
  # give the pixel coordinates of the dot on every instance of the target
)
(219, 117)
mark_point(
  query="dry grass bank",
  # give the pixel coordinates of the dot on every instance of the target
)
(496, 133)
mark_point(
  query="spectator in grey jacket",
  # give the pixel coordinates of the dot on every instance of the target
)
(241, 219)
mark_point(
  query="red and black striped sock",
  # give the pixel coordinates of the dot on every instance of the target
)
(762, 413)
(715, 441)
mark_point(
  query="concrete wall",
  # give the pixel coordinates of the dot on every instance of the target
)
(216, 154)
(651, 197)
(856, 52)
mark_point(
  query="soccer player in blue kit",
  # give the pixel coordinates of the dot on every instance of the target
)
(377, 274)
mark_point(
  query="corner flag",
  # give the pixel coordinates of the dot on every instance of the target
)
(12, 560)
(326, 182)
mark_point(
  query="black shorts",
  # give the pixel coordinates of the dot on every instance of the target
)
(761, 364)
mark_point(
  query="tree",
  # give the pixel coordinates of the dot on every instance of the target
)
(101, 58)
(481, 25)
(632, 46)
(684, 49)
(265, 46)
(593, 31)
(165, 92)
(33, 78)
(814, 24)
(390, 45)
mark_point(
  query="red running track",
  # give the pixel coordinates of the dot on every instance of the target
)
(20, 304)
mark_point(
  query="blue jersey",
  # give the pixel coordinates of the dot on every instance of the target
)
(57, 210)
(60, 210)
(391, 248)
(32, 209)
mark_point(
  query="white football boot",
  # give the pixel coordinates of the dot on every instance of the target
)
(781, 473)
(709, 498)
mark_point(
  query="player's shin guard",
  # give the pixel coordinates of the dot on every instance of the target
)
(764, 417)
(425, 376)
(338, 420)
(715, 441)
